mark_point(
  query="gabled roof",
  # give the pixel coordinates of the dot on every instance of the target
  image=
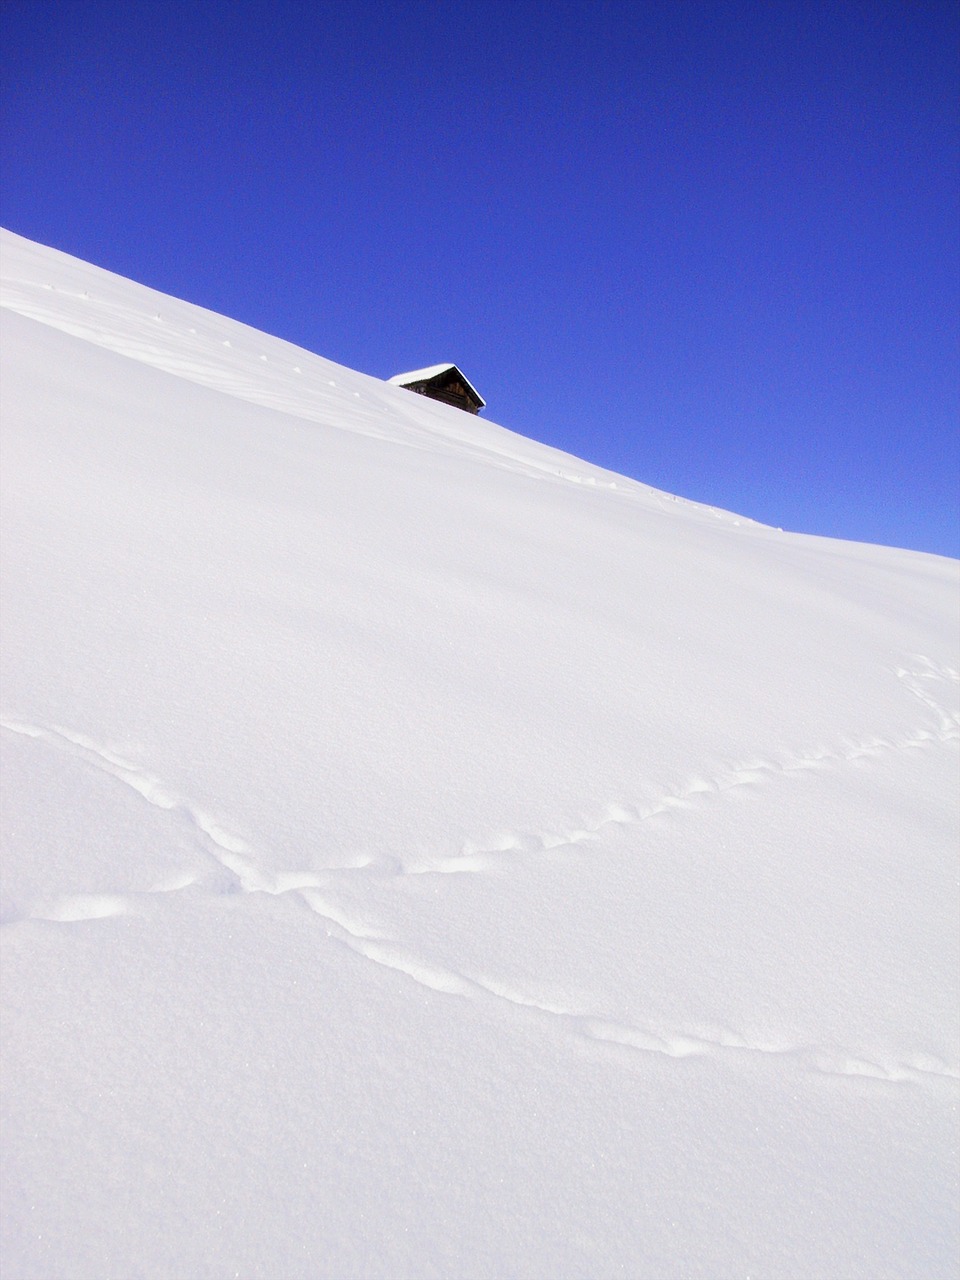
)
(436, 371)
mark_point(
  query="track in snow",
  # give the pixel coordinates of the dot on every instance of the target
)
(312, 888)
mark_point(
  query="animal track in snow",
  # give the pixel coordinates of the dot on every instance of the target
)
(830, 1061)
(502, 848)
(918, 680)
(77, 906)
(227, 849)
(495, 851)
(312, 889)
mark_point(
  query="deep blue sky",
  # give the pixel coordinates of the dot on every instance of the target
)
(714, 246)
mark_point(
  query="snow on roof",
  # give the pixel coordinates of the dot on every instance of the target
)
(434, 371)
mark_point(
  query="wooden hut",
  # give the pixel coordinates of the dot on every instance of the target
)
(444, 382)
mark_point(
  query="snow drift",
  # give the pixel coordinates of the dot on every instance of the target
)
(426, 854)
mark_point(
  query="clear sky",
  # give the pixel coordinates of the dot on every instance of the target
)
(715, 246)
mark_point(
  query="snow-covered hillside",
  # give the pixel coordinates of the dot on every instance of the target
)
(428, 855)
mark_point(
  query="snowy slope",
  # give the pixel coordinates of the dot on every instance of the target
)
(428, 855)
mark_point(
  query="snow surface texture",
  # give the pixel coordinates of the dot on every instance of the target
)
(428, 855)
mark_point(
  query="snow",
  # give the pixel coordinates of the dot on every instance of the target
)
(418, 375)
(426, 854)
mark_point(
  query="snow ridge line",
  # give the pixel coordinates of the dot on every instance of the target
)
(234, 855)
(279, 384)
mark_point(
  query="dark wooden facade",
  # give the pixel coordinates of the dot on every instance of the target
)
(445, 383)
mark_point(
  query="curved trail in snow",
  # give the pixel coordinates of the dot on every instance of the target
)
(312, 888)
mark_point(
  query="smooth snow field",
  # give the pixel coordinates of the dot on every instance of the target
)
(427, 855)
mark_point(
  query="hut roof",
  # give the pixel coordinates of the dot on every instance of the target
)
(435, 371)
